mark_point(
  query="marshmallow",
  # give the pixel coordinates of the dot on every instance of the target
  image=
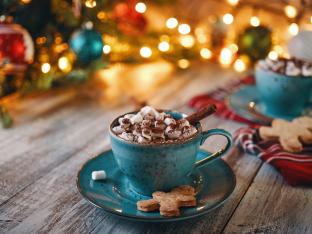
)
(169, 121)
(158, 133)
(173, 134)
(118, 130)
(147, 110)
(183, 123)
(160, 116)
(307, 69)
(292, 69)
(124, 122)
(98, 175)
(150, 125)
(149, 117)
(147, 133)
(137, 118)
(146, 123)
(160, 124)
(129, 116)
(188, 131)
(126, 136)
(142, 139)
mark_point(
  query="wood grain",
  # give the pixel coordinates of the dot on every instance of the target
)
(272, 206)
(54, 135)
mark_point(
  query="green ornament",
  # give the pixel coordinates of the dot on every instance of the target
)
(87, 44)
(255, 42)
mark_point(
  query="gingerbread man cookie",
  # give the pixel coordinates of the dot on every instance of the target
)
(290, 134)
(169, 203)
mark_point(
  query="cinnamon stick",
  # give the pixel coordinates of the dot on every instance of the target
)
(201, 114)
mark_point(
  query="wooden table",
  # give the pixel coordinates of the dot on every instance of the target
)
(54, 134)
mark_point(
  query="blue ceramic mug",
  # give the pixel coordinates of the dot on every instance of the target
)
(283, 95)
(152, 166)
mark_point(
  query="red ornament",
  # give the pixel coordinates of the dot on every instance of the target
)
(16, 47)
(129, 21)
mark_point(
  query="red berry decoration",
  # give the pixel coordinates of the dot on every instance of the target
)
(129, 21)
(16, 47)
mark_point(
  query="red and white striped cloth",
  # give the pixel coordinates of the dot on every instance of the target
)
(295, 168)
(218, 97)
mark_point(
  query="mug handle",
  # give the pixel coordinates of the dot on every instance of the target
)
(220, 152)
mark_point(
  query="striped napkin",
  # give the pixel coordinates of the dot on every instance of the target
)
(295, 168)
(218, 97)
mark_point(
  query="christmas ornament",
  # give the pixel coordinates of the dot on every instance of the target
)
(300, 46)
(16, 47)
(255, 42)
(129, 21)
(87, 45)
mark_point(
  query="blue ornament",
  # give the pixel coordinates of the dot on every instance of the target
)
(87, 45)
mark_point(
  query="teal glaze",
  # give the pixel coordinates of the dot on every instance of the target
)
(239, 102)
(151, 167)
(214, 183)
(281, 94)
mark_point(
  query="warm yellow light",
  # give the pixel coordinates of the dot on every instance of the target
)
(101, 15)
(290, 11)
(228, 18)
(311, 19)
(25, 1)
(273, 55)
(205, 53)
(278, 49)
(254, 21)
(64, 64)
(293, 29)
(184, 29)
(172, 23)
(233, 47)
(140, 7)
(45, 68)
(183, 63)
(233, 2)
(106, 49)
(146, 52)
(187, 41)
(90, 3)
(225, 56)
(239, 65)
(163, 46)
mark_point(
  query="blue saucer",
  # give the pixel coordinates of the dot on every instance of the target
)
(214, 183)
(240, 101)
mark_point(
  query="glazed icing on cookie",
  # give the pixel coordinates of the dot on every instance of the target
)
(149, 125)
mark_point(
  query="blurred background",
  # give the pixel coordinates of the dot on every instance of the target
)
(112, 49)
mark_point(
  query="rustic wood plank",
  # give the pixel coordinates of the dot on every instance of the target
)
(272, 206)
(44, 198)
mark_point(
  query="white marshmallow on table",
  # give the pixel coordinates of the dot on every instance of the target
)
(98, 175)
(138, 118)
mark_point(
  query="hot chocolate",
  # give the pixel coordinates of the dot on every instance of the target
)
(150, 125)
